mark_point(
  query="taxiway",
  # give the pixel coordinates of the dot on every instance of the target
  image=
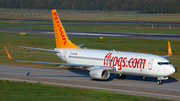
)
(133, 85)
(50, 34)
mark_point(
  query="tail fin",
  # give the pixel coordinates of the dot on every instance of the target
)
(61, 37)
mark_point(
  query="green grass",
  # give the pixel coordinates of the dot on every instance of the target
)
(77, 16)
(160, 30)
(3, 34)
(21, 91)
(25, 22)
(121, 17)
(28, 26)
(158, 47)
(64, 22)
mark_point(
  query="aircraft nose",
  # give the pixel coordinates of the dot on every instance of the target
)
(170, 70)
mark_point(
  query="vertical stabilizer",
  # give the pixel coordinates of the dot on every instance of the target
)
(61, 37)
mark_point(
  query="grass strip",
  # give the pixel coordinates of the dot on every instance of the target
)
(159, 30)
(12, 91)
(87, 16)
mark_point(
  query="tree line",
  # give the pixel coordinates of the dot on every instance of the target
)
(141, 6)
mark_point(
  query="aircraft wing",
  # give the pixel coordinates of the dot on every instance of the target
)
(81, 65)
(49, 50)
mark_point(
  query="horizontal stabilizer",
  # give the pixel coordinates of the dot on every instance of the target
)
(81, 45)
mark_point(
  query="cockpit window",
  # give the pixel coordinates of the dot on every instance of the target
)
(163, 63)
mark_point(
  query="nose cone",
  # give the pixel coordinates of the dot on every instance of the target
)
(170, 70)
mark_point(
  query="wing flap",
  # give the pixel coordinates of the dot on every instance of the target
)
(49, 50)
(55, 63)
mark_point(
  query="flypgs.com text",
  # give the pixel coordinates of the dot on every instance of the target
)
(113, 61)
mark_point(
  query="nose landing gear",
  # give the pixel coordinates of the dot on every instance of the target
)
(159, 82)
(161, 78)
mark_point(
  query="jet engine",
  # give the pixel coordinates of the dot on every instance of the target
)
(99, 73)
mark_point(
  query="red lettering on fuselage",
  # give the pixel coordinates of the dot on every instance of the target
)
(61, 32)
(120, 63)
(124, 61)
(113, 61)
(130, 62)
(143, 61)
(106, 59)
(134, 63)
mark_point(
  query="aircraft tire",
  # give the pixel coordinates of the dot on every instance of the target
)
(121, 76)
(91, 78)
(159, 82)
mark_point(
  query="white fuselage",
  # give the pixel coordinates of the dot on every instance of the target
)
(130, 63)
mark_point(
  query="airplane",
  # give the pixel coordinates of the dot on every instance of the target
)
(102, 63)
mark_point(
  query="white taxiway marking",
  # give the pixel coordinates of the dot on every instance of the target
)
(97, 34)
(93, 34)
(70, 85)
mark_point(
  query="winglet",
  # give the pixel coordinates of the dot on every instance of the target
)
(170, 53)
(9, 56)
(169, 49)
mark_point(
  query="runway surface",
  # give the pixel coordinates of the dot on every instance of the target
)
(102, 24)
(133, 85)
(50, 34)
(98, 23)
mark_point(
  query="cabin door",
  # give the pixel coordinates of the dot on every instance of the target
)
(150, 64)
(64, 56)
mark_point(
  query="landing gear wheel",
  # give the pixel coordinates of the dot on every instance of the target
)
(91, 78)
(121, 76)
(159, 82)
(118, 76)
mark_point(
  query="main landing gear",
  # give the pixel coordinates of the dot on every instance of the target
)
(161, 78)
(119, 76)
(159, 82)
(91, 78)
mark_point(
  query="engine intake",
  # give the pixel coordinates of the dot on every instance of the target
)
(99, 73)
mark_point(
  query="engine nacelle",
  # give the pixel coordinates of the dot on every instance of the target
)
(99, 73)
